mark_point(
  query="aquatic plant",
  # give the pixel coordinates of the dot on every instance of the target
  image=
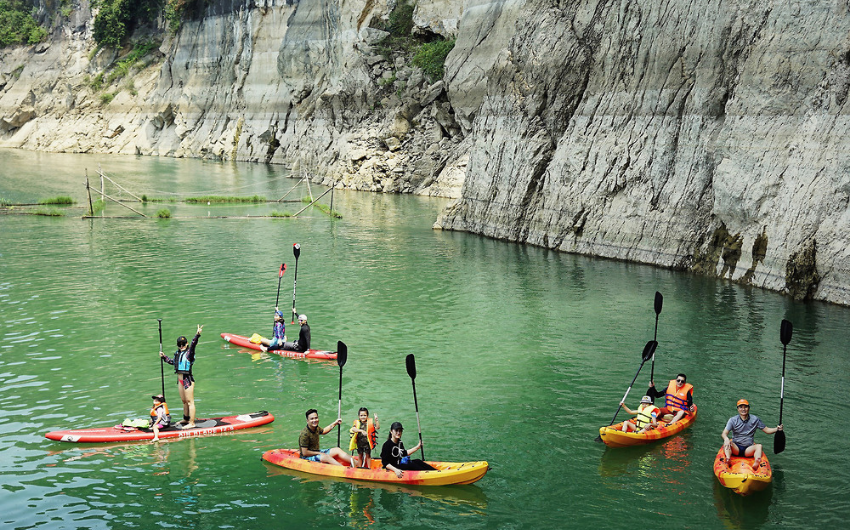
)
(164, 213)
(48, 212)
(61, 199)
(280, 214)
(219, 199)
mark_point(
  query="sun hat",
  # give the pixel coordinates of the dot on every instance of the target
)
(646, 399)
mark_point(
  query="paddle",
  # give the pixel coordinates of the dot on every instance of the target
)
(411, 371)
(341, 357)
(161, 364)
(296, 249)
(648, 352)
(785, 331)
(279, 277)
(659, 301)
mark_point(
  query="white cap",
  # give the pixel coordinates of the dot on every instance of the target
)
(646, 399)
(302, 317)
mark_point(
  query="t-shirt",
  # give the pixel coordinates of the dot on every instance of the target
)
(392, 453)
(744, 432)
(309, 439)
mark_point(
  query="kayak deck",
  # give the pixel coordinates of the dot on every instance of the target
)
(613, 436)
(738, 474)
(446, 473)
(245, 342)
(203, 427)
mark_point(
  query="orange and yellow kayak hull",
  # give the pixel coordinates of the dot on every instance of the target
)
(613, 435)
(739, 476)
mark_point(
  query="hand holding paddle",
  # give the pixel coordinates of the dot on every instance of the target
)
(785, 331)
(648, 352)
(341, 357)
(411, 371)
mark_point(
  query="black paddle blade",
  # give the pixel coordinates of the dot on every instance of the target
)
(649, 349)
(659, 301)
(296, 249)
(779, 442)
(411, 366)
(341, 353)
(785, 331)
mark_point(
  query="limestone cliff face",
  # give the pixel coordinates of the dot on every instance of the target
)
(703, 136)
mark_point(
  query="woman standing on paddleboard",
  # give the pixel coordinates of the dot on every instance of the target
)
(183, 360)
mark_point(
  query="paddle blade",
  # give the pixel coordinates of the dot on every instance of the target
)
(659, 301)
(779, 442)
(649, 350)
(411, 366)
(341, 353)
(296, 249)
(282, 270)
(785, 331)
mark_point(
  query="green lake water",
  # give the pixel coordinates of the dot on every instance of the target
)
(522, 354)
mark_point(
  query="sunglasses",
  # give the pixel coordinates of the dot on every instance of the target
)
(680, 380)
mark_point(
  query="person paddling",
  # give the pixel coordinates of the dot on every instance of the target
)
(679, 398)
(395, 458)
(743, 426)
(160, 418)
(646, 416)
(303, 342)
(278, 333)
(308, 442)
(183, 360)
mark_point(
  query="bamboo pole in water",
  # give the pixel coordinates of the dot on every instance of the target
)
(105, 196)
(313, 202)
(88, 191)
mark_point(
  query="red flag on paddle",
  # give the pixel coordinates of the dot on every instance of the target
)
(282, 270)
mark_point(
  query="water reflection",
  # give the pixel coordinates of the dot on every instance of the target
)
(366, 496)
(736, 511)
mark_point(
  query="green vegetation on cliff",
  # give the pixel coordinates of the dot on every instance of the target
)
(17, 26)
(117, 19)
(426, 52)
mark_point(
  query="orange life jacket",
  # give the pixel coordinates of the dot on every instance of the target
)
(154, 413)
(371, 434)
(677, 399)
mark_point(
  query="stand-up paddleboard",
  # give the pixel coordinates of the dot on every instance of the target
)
(245, 342)
(120, 433)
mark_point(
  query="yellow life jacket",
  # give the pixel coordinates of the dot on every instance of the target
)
(371, 434)
(644, 415)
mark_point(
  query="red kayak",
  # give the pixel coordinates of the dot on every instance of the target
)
(120, 433)
(245, 342)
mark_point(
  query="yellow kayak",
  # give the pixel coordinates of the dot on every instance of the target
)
(613, 435)
(738, 474)
(446, 473)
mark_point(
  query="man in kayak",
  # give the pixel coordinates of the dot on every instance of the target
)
(395, 458)
(646, 416)
(278, 333)
(743, 426)
(303, 342)
(308, 442)
(679, 398)
(183, 360)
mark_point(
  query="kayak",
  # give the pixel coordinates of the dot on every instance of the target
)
(245, 342)
(613, 435)
(446, 473)
(120, 433)
(738, 474)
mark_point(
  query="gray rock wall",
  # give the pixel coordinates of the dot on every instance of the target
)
(701, 136)
(704, 136)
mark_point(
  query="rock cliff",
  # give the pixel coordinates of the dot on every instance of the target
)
(701, 136)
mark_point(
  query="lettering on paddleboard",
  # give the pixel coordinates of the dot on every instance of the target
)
(205, 432)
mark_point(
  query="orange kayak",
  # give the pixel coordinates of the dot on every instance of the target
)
(738, 474)
(613, 435)
(446, 472)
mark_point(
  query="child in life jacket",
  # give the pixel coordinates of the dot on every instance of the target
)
(160, 418)
(364, 438)
(646, 416)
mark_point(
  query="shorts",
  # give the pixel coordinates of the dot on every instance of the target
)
(187, 381)
(160, 426)
(742, 449)
(316, 458)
